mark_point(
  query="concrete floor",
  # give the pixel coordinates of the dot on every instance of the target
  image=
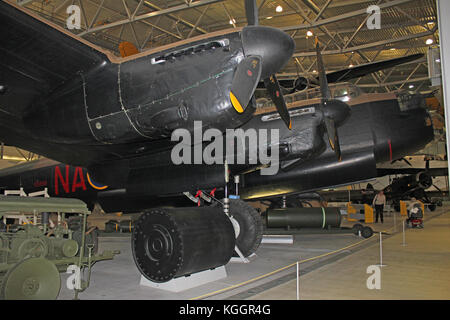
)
(415, 271)
(418, 270)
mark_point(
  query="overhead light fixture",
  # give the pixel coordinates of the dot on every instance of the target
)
(430, 23)
(429, 41)
(351, 66)
(314, 71)
(309, 33)
(438, 60)
(392, 49)
(411, 86)
(279, 8)
(232, 21)
(268, 18)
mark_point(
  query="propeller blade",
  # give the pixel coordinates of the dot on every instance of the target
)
(251, 11)
(325, 90)
(274, 89)
(333, 138)
(334, 111)
(246, 78)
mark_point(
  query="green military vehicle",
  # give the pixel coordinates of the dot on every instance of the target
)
(51, 236)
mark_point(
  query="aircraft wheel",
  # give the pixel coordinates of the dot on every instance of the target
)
(432, 207)
(356, 228)
(250, 226)
(367, 232)
(31, 279)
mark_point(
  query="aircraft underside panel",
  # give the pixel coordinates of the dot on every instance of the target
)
(312, 175)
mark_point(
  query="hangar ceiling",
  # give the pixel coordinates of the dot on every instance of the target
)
(406, 25)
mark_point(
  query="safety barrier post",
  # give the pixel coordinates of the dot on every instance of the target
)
(298, 280)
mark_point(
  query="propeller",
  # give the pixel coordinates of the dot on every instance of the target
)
(276, 94)
(263, 63)
(251, 11)
(334, 111)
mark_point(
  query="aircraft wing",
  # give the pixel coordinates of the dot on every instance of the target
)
(36, 57)
(353, 72)
(365, 69)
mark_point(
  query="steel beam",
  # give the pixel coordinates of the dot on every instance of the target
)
(183, 21)
(151, 15)
(343, 16)
(393, 83)
(369, 45)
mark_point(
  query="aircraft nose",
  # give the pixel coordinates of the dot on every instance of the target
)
(274, 46)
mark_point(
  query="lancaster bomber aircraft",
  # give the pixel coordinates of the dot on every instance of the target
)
(110, 121)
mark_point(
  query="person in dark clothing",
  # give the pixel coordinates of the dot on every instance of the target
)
(379, 202)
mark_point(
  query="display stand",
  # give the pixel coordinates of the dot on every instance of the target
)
(187, 282)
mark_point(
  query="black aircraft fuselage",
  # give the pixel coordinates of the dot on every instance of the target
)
(377, 131)
(72, 102)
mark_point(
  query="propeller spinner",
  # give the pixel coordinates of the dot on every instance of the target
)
(266, 50)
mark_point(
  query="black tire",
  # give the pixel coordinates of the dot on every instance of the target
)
(250, 224)
(367, 232)
(356, 228)
(432, 207)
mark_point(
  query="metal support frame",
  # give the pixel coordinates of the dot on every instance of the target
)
(343, 16)
(177, 18)
(151, 15)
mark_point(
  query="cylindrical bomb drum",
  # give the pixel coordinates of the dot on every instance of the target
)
(174, 242)
(304, 218)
